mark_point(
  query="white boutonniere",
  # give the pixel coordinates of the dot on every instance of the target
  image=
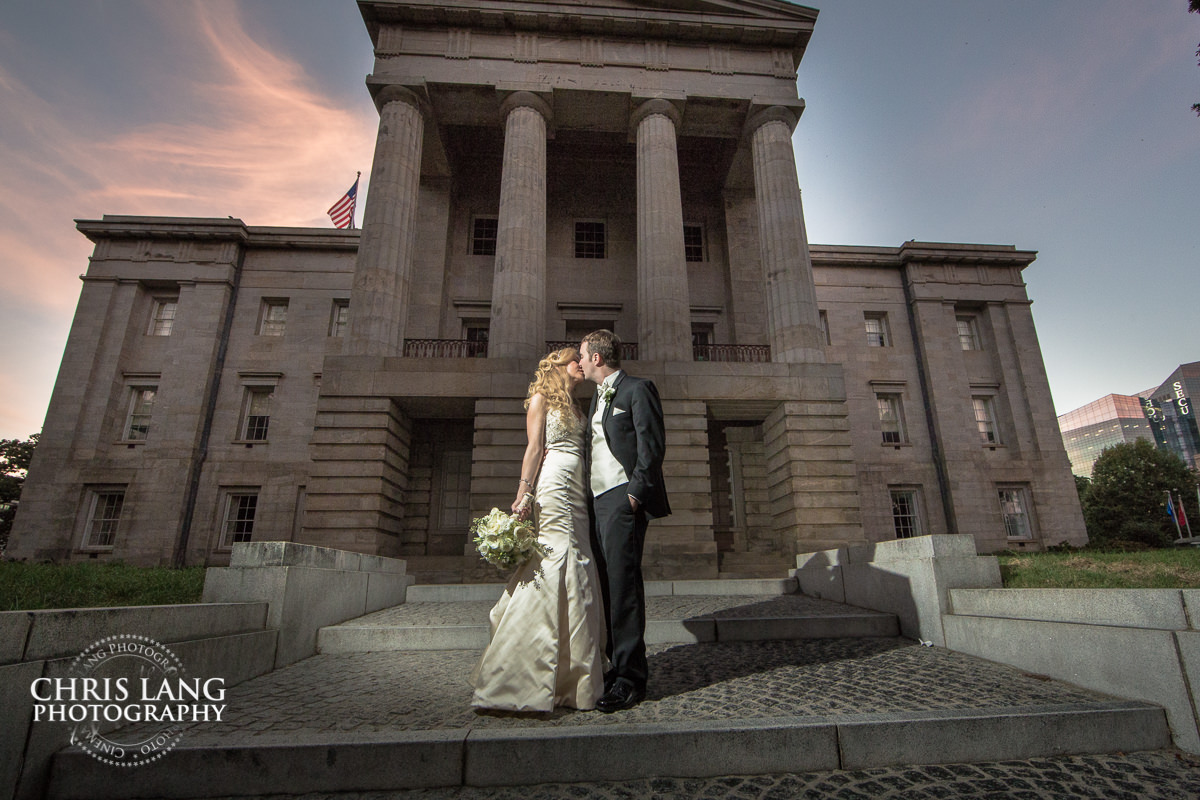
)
(607, 394)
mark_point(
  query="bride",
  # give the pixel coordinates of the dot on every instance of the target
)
(547, 630)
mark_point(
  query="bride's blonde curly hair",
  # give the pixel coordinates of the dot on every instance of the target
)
(551, 383)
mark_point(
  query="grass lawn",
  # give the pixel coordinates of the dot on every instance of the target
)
(1177, 568)
(24, 587)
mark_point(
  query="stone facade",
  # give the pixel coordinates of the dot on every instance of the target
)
(539, 174)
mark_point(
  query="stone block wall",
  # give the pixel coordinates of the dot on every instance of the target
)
(359, 474)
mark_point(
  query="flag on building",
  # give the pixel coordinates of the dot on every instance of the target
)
(342, 212)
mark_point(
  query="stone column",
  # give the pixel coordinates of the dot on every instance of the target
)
(518, 322)
(664, 309)
(383, 270)
(793, 322)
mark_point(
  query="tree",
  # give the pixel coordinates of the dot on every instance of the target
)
(1084, 484)
(1127, 498)
(15, 455)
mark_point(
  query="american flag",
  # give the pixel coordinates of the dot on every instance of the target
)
(342, 212)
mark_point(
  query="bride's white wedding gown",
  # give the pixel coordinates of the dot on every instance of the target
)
(547, 630)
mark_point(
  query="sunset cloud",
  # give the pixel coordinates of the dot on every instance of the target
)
(252, 139)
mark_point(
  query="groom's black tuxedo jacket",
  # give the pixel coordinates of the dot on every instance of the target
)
(633, 428)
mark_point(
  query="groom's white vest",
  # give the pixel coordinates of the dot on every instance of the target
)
(607, 472)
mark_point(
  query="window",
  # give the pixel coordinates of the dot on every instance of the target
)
(589, 240)
(906, 516)
(824, 320)
(238, 522)
(877, 330)
(968, 332)
(104, 516)
(576, 329)
(693, 242)
(476, 331)
(256, 416)
(1014, 507)
(141, 405)
(273, 318)
(985, 418)
(339, 319)
(891, 418)
(162, 318)
(484, 231)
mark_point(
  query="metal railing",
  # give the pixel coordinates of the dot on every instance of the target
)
(741, 353)
(629, 350)
(444, 348)
(463, 348)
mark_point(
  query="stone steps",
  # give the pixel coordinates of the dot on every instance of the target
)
(754, 564)
(400, 720)
(455, 617)
(746, 677)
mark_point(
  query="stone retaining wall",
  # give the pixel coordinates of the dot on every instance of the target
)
(1140, 644)
(229, 641)
(261, 612)
(307, 588)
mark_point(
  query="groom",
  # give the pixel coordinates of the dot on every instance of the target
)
(624, 453)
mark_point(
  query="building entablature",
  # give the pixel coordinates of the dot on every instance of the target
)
(204, 229)
(757, 23)
(922, 253)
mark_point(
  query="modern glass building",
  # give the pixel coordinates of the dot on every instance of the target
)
(1172, 414)
(1111, 420)
(1165, 415)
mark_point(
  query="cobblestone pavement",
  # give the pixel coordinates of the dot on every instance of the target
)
(383, 692)
(657, 608)
(1162, 775)
(369, 696)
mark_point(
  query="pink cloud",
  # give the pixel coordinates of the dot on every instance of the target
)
(259, 142)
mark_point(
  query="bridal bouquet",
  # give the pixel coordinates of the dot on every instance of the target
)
(506, 541)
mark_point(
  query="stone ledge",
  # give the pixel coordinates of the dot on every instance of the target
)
(307, 588)
(58, 633)
(293, 554)
(1160, 609)
(620, 751)
(1155, 666)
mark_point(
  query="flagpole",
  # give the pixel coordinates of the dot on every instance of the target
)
(1183, 512)
(1173, 515)
(357, 175)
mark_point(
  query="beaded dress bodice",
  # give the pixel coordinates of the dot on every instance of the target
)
(564, 430)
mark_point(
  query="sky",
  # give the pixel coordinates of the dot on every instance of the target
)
(1062, 127)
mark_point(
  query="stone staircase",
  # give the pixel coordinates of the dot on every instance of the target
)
(747, 677)
(733, 565)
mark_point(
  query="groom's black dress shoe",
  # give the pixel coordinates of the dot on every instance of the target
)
(621, 696)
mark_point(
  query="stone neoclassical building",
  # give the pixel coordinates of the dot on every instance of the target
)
(543, 169)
